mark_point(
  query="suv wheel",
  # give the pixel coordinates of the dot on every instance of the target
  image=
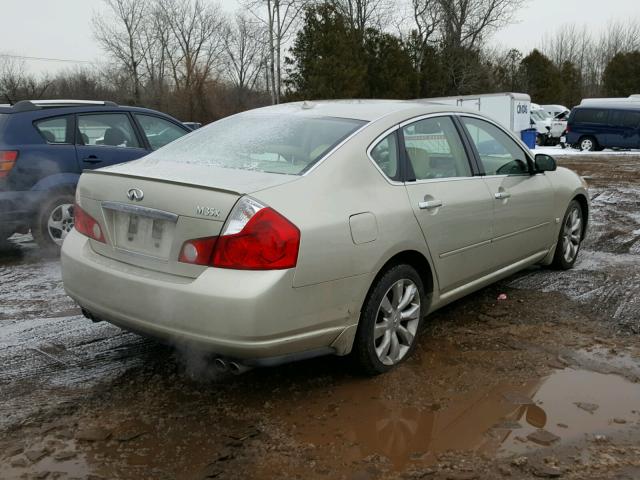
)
(588, 144)
(390, 321)
(54, 221)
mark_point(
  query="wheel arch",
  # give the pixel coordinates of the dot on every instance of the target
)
(416, 260)
(584, 205)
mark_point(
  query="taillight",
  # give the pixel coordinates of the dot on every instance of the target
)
(86, 224)
(198, 251)
(255, 237)
(7, 161)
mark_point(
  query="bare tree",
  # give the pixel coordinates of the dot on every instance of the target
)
(194, 45)
(280, 17)
(363, 14)
(467, 23)
(121, 35)
(245, 52)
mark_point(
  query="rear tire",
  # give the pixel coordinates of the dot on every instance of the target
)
(570, 237)
(53, 222)
(588, 144)
(390, 321)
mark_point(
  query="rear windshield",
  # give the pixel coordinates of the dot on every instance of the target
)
(288, 144)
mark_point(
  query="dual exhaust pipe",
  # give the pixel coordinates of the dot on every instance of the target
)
(224, 366)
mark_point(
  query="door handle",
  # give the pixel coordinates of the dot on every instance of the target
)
(430, 204)
(91, 159)
(502, 195)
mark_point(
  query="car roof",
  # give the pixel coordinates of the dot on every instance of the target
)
(42, 108)
(367, 110)
(626, 105)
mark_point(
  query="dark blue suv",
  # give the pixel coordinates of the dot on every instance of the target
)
(596, 126)
(45, 145)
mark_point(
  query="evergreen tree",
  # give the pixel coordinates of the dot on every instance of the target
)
(541, 77)
(326, 58)
(622, 75)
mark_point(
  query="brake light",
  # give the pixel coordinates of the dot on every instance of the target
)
(268, 241)
(87, 225)
(7, 161)
(255, 237)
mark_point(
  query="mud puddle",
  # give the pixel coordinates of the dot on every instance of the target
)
(564, 407)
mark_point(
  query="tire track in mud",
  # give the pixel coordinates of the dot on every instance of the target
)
(49, 354)
(606, 277)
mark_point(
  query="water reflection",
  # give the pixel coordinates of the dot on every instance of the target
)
(496, 420)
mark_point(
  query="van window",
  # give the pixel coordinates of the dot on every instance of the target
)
(591, 116)
(627, 119)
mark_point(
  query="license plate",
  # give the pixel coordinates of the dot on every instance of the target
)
(137, 233)
(563, 139)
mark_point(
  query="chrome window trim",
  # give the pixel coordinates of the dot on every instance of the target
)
(142, 211)
(445, 179)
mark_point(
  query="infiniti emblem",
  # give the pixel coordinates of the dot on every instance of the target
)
(135, 194)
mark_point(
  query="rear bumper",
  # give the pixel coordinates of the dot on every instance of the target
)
(17, 209)
(238, 314)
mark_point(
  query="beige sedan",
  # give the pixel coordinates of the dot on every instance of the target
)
(306, 229)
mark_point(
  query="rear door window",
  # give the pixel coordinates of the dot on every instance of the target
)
(591, 116)
(159, 131)
(107, 129)
(434, 149)
(55, 130)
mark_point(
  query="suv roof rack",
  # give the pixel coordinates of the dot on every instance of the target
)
(27, 105)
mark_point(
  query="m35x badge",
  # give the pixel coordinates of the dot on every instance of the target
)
(207, 211)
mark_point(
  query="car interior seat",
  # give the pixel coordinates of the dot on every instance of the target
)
(114, 137)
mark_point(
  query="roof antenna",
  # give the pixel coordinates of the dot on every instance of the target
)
(306, 105)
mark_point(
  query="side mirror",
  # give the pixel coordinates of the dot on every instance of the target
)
(545, 163)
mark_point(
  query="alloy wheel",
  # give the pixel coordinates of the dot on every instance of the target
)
(60, 222)
(587, 144)
(572, 235)
(397, 322)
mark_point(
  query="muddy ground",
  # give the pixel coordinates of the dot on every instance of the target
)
(543, 384)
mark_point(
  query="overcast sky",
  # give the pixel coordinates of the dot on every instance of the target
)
(61, 29)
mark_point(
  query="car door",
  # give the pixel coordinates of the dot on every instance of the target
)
(522, 201)
(452, 206)
(105, 139)
(159, 131)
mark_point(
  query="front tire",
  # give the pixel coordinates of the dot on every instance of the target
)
(53, 222)
(570, 237)
(390, 320)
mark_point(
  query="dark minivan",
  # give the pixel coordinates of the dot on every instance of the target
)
(605, 125)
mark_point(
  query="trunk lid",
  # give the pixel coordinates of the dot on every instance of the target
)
(149, 211)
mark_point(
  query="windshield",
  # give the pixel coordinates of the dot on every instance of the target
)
(288, 144)
(539, 115)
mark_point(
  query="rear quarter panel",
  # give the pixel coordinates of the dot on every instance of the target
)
(321, 203)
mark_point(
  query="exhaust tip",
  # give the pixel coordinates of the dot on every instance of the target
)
(220, 365)
(238, 368)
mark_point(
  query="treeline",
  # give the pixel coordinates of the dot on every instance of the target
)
(192, 60)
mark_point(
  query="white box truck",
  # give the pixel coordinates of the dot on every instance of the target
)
(512, 110)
